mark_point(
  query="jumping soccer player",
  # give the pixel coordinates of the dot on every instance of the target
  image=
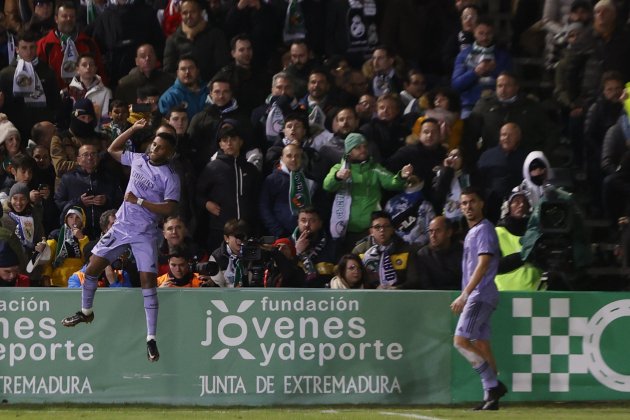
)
(479, 298)
(152, 193)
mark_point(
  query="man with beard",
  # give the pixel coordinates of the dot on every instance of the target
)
(187, 90)
(315, 250)
(220, 106)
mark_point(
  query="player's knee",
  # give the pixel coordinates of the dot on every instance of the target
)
(460, 342)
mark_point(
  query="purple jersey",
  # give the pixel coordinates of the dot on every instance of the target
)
(150, 182)
(481, 239)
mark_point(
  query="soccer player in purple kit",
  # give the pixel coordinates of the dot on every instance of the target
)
(152, 193)
(479, 298)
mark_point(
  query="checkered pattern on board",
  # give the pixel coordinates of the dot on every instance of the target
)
(552, 348)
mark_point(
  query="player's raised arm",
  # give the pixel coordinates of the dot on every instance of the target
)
(118, 145)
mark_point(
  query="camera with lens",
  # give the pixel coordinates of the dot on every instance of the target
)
(207, 268)
(260, 263)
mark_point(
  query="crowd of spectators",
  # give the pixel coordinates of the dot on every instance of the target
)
(344, 129)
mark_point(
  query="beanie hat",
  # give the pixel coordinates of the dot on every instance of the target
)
(8, 257)
(83, 107)
(19, 188)
(7, 129)
(75, 210)
(353, 140)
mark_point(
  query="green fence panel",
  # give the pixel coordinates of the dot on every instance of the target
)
(229, 347)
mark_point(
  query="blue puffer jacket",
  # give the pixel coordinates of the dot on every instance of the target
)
(179, 94)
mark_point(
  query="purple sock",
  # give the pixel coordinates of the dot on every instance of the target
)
(151, 309)
(90, 283)
(488, 376)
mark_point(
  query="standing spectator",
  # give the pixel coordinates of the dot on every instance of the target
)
(228, 187)
(197, 38)
(384, 79)
(121, 28)
(21, 216)
(366, 180)
(477, 67)
(385, 129)
(284, 192)
(146, 72)
(61, 47)
(248, 84)
(42, 19)
(87, 84)
(28, 103)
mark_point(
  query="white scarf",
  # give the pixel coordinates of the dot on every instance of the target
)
(341, 206)
(377, 258)
(26, 83)
(70, 57)
(10, 47)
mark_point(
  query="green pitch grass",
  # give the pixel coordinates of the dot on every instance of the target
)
(559, 411)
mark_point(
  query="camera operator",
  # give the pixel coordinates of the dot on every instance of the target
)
(556, 241)
(253, 262)
(180, 272)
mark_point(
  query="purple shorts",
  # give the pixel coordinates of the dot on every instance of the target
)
(115, 242)
(474, 322)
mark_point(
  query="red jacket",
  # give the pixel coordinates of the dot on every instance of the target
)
(49, 51)
(22, 281)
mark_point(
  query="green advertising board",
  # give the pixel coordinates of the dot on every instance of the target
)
(228, 347)
(302, 347)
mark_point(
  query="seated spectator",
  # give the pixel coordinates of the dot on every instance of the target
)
(315, 250)
(368, 179)
(438, 265)
(536, 174)
(180, 273)
(87, 84)
(145, 73)
(411, 213)
(513, 273)
(350, 273)
(10, 268)
(89, 187)
(284, 192)
(384, 254)
(66, 247)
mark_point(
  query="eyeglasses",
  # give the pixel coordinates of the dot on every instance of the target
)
(381, 227)
(88, 154)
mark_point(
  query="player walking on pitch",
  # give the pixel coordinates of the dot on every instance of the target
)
(479, 298)
(152, 193)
